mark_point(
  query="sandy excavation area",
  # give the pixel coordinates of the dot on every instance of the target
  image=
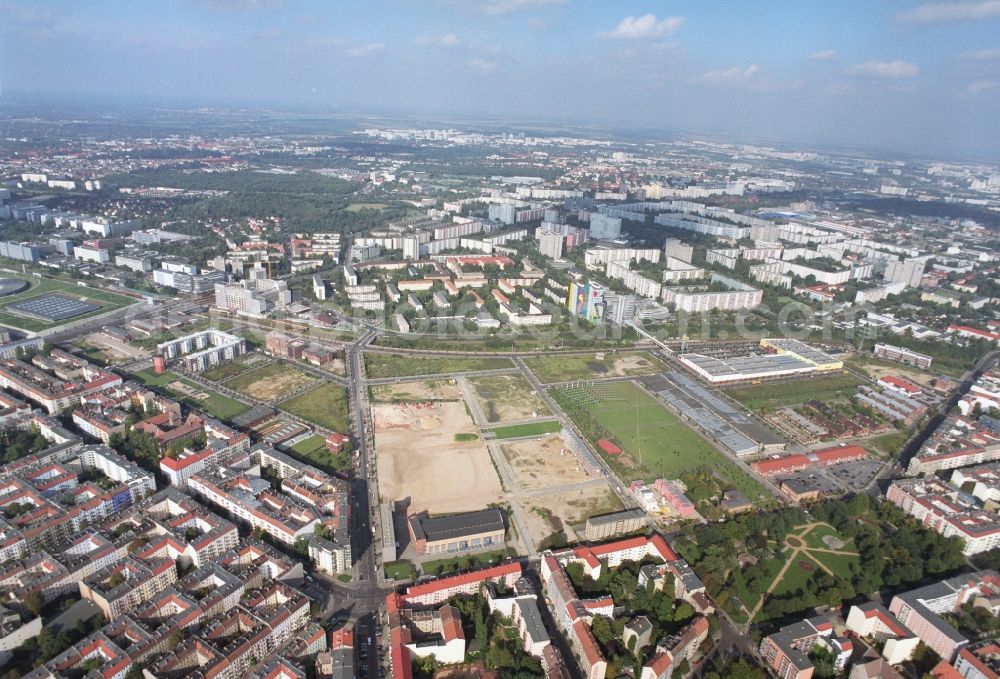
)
(419, 458)
(537, 463)
(632, 364)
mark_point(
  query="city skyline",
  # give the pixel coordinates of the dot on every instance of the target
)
(908, 76)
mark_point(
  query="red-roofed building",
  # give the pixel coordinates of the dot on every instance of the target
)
(781, 465)
(440, 590)
(838, 454)
(973, 333)
(899, 385)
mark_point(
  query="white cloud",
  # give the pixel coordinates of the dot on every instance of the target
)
(983, 86)
(734, 75)
(499, 7)
(365, 50)
(884, 69)
(823, 55)
(645, 27)
(446, 40)
(954, 10)
(990, 54)
(483, 66)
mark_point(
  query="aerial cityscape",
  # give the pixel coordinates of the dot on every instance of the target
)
(500, 339)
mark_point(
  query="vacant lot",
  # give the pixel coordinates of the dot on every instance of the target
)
(270, 382)
(109, 301)
(654, 442)
(550, 369)
(568, 511)
(387, 365)
(876, 368)
(542, 463)
(773, 395)
(419, 390)
(507, 397)
(420, 459)
(325, 405)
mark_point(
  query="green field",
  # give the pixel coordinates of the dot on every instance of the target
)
(325, 405)
(387, 365)
(400, 570)
(309, 445)
(655, 443)
(312, 450)
(530, 429)
(465, 562)
(551, 369)
(358, 207)
(774, 395)
(796, 577)
(224, 371)
(109, 301)
(215, 404)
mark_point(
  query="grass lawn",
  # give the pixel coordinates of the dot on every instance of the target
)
(307, 446)
(387, 365)
(224, 371)
(464, 562)
(814, 539)
(325, 405)
(216, 404)
(358, 207)
(838, 563)
(151, 379)
(655, 442)
(400, 570)
(889, 445)
(774, 395)
(796, 577)
(549, 369)
(530, 429)
(318, 456)
(109, 301)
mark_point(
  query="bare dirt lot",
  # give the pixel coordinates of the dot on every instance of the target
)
(537, 463)
(504, 398)
(270, 382)
(419, 458)
(568, 511)
(414, 392)
(878, 371)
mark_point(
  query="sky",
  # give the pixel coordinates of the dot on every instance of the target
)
(896, 75)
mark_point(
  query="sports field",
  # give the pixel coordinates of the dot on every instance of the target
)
(108, 301)
(774, 395)
(325, 405)
(654, 442)
(553, 369)
(387, 365)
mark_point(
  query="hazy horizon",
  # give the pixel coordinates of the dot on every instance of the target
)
(915, 77)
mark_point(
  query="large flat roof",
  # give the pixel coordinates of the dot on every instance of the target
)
(457, 525)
